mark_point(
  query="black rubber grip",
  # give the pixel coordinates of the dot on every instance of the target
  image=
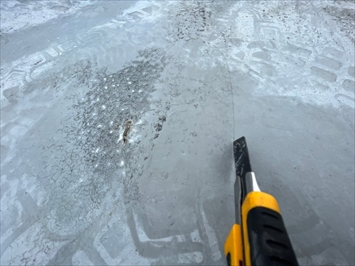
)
(268, 239)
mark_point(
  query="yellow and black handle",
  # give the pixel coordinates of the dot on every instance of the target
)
(261, 239)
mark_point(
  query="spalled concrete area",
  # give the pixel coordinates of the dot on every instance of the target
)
(191, 76)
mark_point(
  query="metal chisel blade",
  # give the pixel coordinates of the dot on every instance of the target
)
(241, 157)
(242, 165)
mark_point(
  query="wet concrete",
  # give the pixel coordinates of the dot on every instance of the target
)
(79, 187)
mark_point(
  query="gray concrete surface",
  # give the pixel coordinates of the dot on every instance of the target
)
(192, 76)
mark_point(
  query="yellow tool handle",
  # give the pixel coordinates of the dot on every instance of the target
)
(233, 247)
(265, 239)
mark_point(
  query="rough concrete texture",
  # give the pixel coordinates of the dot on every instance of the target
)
(191, 76)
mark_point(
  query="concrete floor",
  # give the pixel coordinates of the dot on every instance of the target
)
(191, 76)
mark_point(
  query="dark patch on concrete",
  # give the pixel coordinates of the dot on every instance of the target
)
(159, 126)
(345, 19)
